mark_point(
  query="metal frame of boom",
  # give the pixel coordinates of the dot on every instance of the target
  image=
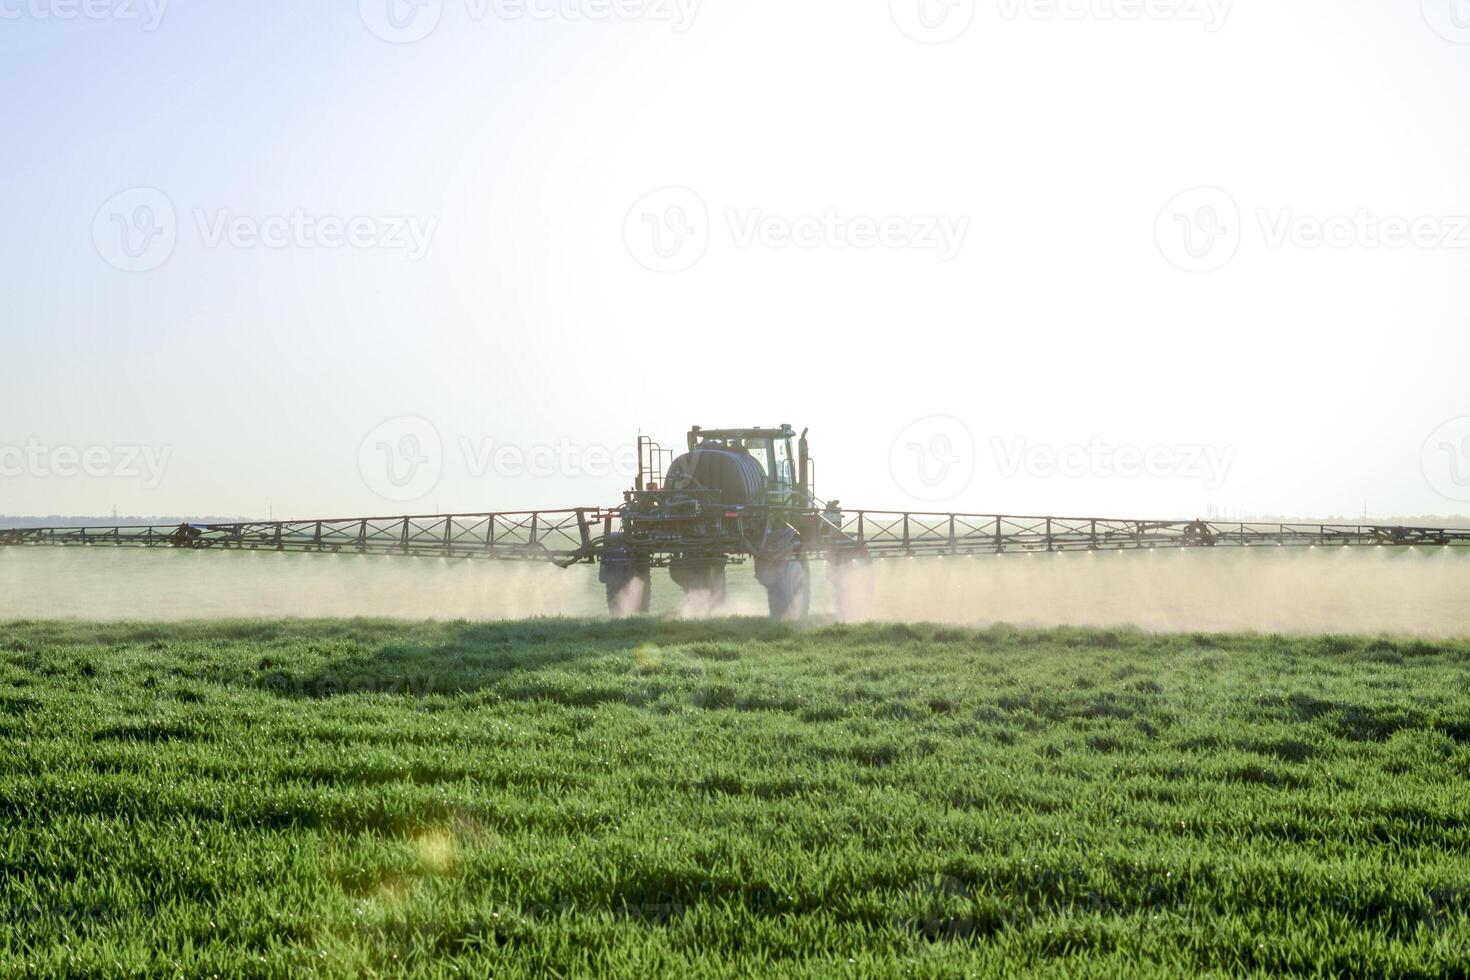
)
(575, 535)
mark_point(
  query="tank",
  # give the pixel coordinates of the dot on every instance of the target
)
(739, 479)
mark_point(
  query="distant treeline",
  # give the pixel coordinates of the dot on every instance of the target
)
(66, 520)
(1423, 520)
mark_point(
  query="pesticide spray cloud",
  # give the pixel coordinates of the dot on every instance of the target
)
(1422, 591)
(111, 584)
(852, 584)
(1314, 590)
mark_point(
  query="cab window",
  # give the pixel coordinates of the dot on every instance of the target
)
(761, 454)
(785, 471)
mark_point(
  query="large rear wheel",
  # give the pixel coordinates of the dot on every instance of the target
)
(627, 579)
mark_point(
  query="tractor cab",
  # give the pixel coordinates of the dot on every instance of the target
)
(780, 453)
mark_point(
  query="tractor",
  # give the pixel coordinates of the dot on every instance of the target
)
(734, 494)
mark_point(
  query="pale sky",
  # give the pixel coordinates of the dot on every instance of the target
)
(1111, 257)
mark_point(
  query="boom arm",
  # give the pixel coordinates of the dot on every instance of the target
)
(576, 535)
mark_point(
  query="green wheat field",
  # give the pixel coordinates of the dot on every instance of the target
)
(728, 798)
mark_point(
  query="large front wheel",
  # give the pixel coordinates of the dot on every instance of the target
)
(627, 579)
(789, 590)
(629, 595)
(703, 581)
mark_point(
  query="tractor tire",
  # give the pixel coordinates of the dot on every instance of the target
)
(627, 579)
(700, 577)
(789, 590)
